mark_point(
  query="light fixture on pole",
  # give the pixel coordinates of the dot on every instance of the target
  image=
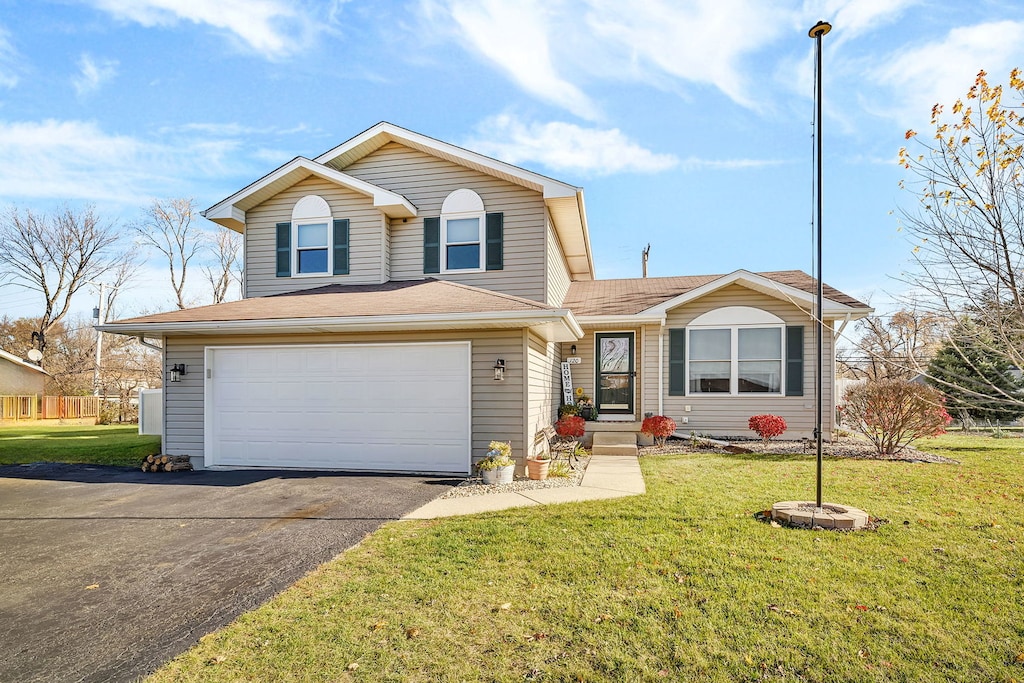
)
(817, 31)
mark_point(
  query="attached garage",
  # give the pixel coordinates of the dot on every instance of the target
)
(379, 407)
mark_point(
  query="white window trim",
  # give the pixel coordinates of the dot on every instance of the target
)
(734, 360)
(459, 205)
(301, 215)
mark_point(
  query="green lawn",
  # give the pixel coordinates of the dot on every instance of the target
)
(95, 445)
(680, 584)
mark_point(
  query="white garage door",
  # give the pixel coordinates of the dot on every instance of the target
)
(393, 407)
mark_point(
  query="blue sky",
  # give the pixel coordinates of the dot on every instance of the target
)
(687, 123)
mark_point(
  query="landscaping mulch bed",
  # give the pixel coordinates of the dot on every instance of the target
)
(474, 486)
(846, 447)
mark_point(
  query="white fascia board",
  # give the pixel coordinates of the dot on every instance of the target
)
(628, 320)
(559, 322)
(17, 361)
(551, 187)
(391, 203)
(758, 283)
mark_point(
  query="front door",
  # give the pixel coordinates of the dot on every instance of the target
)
(615, 372)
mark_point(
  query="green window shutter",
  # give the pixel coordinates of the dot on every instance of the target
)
(432, 245)
(341, 246)
(795, 360)
(677, 362)
(495, 237)
(284, 249)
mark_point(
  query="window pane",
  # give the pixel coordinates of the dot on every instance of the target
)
(710, 344)
(313, 261)
(760, 376)
(464, 230)
(709, 378)
(464, 256)
(763, 343)
(313, 235)
(614, 354)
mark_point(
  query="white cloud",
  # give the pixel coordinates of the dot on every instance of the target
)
(516, 37)
(8, 57)
(852, 18)
(93, 73)
(273, 28)
(76, 160)
(702, 42)
(939, 72)
(566, 147)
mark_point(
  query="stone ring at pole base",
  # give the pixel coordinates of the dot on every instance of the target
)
(804, 513)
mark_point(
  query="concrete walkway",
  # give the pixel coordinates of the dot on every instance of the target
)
(607, 476)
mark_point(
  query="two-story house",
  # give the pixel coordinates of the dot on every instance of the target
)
(407, 301)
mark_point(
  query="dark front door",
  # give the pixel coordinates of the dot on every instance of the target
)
(615, 372)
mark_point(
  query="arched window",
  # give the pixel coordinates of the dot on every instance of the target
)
(462, 231)
(311, 235)
(735, 350)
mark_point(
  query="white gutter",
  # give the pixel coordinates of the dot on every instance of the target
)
(151, 345)
(436, 321)
(838, 333)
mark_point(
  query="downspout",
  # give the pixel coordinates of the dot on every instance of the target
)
(661, 369)
(150, 345)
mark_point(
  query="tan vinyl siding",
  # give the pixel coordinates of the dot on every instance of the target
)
(584, 374)
(425, 181)
(728, 415)
(545, 385)
(558, 278)
(365, 234)
(497, 407)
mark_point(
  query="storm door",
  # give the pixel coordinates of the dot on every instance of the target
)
(615, 372)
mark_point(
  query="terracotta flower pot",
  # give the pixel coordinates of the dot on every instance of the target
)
(537, 469)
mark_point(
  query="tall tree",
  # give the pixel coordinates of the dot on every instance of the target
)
(893, 347)
(968, 227)
(168, 228)
(56, 255)
(225, 247)
(978, 382)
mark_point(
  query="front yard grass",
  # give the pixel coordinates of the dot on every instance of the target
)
(680, 584)
(94, 445)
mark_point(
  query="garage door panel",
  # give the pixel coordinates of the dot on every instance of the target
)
(399, 407)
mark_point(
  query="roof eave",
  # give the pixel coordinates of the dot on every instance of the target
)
(552, 324)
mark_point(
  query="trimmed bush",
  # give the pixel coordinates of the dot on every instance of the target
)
(767, 426)
(894, 413)
(660, 427)
(570, 427)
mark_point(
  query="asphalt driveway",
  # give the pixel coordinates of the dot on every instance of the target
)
(108, 572)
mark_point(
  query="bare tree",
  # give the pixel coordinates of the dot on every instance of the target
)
(225, 245)
(168, 228)
(893, 347)
(968, 229)
(58, 255)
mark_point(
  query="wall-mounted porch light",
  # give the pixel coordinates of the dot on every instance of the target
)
(499, 370)
(572, 350)
(177, 371)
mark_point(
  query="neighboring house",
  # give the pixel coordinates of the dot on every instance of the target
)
(19, 377)
(408, 301)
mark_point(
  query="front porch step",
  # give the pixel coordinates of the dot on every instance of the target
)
(614, 443)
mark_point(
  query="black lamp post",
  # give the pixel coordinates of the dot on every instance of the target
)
(816, 32)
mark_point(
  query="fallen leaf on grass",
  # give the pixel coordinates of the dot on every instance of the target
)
(218, 659)
(378, 626)
(776, 524)
(506, 605)
(603, 617)
(904, 560)
(92, 586)
(862, 608)
(353, 666)
(537, 636)
(412, 632)
(1019, 659)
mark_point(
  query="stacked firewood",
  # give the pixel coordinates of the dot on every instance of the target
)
(166, 463)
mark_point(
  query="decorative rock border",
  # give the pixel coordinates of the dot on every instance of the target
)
(805, 513)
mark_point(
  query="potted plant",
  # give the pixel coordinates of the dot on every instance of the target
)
(497, 466)
(586, 407)
(537, 466)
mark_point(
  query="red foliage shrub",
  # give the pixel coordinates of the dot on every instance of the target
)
(660, 427)
(570, 427)
(767, 426)
(893, 413)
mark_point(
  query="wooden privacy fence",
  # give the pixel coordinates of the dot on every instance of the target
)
(48, 407)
